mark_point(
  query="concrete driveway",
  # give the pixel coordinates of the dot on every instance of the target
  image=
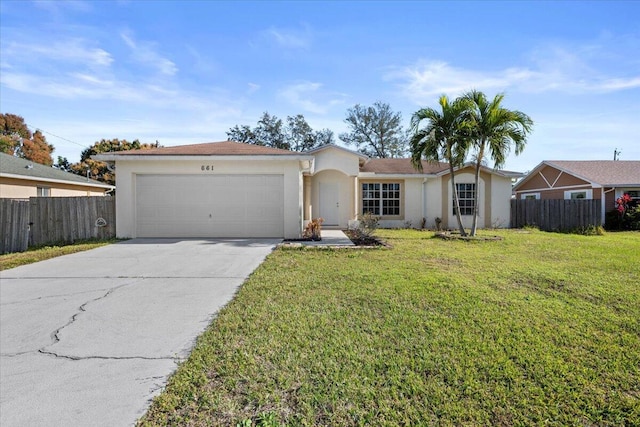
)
(88, 339)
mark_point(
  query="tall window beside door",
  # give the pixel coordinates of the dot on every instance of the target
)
(466, 197)
(381, 198)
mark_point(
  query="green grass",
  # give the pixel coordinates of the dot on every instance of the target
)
(536, 329)
(46, 252)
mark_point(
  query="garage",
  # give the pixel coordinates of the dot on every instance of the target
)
(230, 205)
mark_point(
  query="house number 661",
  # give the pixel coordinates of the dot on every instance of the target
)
(206, 167)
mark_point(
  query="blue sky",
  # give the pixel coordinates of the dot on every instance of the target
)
(185, 72)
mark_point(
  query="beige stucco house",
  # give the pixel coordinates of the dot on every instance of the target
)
(230, 189)
(604, 180)
(21, 179)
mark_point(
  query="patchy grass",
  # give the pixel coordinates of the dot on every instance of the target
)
(537, 328)
(46, 252)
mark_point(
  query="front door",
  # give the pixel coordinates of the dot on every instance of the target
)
(330, 203)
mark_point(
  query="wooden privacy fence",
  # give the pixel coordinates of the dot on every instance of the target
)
(46, 220)
(556, 215)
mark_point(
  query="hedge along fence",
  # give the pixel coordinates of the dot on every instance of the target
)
(556, 215)
(48, 220)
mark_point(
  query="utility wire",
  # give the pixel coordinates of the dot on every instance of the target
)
(64, 139)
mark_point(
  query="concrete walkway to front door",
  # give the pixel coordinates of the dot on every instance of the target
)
(88, 339)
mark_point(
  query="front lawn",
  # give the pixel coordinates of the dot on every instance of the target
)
(46, 252)
(538, 328)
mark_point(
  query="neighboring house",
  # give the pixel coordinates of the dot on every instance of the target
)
(21, 179)
(230, 189)
(605, 180)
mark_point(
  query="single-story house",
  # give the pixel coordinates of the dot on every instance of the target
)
(21, 179)
(582, 179)
(231, 189)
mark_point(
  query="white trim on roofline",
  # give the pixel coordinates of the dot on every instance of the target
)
(373, 175)
(506, 174)
(327, 146)
(105, 157)
(57, 181)
(577, 186)
(537, 169)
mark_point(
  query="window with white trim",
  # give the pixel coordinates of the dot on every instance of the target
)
(578, 194)
(530, 196)
(381, 198)
(43, 192)
(466, 198)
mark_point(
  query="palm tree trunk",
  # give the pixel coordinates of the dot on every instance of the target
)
(476, 194)
(474, 224)
(456, 201)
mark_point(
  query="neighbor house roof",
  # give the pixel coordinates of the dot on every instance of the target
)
(223, 148)
(610, 173)
(603, 172)
(16, 167)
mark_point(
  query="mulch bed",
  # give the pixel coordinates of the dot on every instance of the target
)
(370, 241)
(457, 236)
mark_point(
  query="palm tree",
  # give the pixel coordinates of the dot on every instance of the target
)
(443, 138)
(493, 129)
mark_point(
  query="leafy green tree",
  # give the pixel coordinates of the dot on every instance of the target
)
(270, 131)
(323, 137)
(375, 131)
(99, 170)
(299, 135)
(494, 129)
(444, 137)
(63, 164)
(242, 133)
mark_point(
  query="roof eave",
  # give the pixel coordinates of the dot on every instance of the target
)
(57, 181)
(105, 157)
(395, 175)
(327, 146)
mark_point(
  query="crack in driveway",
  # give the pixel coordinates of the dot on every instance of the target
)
(62, 356)
(55, 335)
(52, 297)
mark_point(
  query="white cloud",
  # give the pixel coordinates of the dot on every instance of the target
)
(300, 94)
(82, 86)
(202, 64)
(145, 53)
(60, 6)
(290, 38)
(74, 50)
(253, 87)
(551, 69)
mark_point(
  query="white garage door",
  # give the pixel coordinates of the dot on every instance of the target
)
(210, 206)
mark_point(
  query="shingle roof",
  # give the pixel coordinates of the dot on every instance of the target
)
(603, 172)
(12, 165)
(401, 166)
(222, 148)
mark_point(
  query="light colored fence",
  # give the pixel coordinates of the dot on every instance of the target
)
(46, 220)
(556, 215)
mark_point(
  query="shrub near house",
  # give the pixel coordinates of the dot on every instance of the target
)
(625, 216)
